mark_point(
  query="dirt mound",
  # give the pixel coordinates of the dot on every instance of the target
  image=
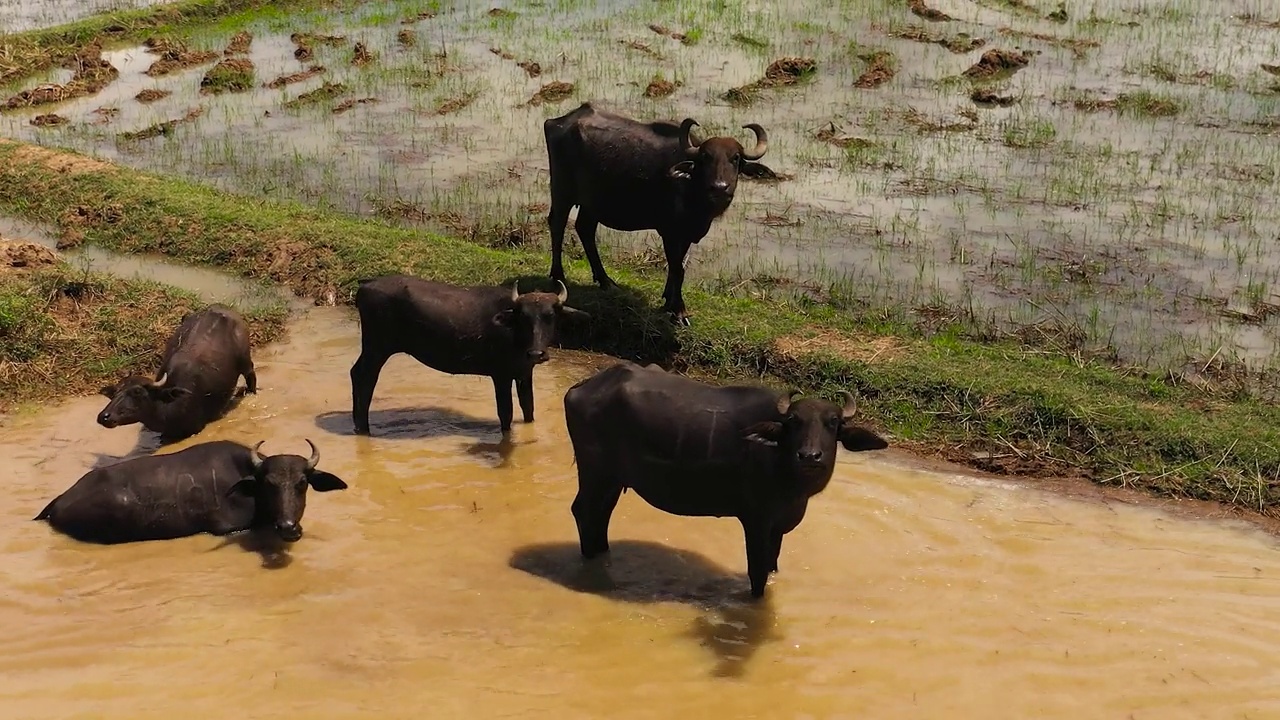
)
(283, 80)
(346, 105)
(500, 13)
(18, 255)
(531, 68)
(989, 97)
(919, 9)
(360, 55)
(327, 91)
(960, 43)
(306, 43)
(151, 95)
(835, 136)
(48, 119)
(230, 75)
(175, 56)
(659, 87)
(239, 44)
(454, 104)
(881, 67)
(1077, 46)
(780, 73)
(425, 15)
(90, 75)
(552, 92)
(162, 128)
(407, 37)
(1272, 69)
(997, 62)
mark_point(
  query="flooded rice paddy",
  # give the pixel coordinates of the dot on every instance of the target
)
(446, 581)
(1116, 177)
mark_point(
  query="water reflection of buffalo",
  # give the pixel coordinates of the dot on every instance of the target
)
(478, 330)
(694, 449)
(631, 175)
(202, 361)
(217, 488)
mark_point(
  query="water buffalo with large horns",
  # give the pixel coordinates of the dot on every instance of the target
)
(202, 361)
(216, 487)
(631, 175)
(689, 448)
(460, 330)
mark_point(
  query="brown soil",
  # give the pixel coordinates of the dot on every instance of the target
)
(830, 342)
(162, 128)
(407, 37)
(531, 68)
(660, 88)
(1272, 69)
(175, 56)
(552, 92)
(326, 91)
(239, 44)
(90, 75)
(453, 105)
(230, 75)
(61, 162)
(1077, 46)
(924, 123)
(297, 77)
(151, 95)
(1258, 21)
(20, 255)
(880, 69)
(959, 44)
(106, 114)
(346, 105)
(425, 15)
(982, 96)
(668, 32)
(642, 47)
(500, 12)
(306, 43)
(919, 9)
(833, 135)
(997, 62)
(502, 53)
(360, 55)
(48, 119)
(780, 73)
(73, 220)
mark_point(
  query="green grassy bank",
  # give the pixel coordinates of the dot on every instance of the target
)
(996, 406)
(65, 331)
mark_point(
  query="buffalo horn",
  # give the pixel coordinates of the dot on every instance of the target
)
(257, 456)
(563, 295)
(784, 402)
(515, 291)
(850, 405)
(314, 460)
(160, 382)
(762, 142)
(686, 140)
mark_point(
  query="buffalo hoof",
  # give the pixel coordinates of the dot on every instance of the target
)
(679, 318)
(606, 283)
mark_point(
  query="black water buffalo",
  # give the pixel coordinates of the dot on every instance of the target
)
(472, 330)
(631, 175)
(202, 361)
(217, 488)
(693, 449)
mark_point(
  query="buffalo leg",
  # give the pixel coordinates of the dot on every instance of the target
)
(557, 219)
(502, 393)
(776, 537)
(592, 508)
(586, 225)
(673, 293)
(364, 377)
(250, 377)
(524, 389)
(760, 557)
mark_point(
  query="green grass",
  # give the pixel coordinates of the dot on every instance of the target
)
(995, 405)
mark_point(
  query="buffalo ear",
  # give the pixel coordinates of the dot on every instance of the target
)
(504, 318)
(765, 433)
(173, 393)
(682, 170)
(108, 391)
(574, 312)
(243, 487)
(857, 439)
(756, 170)
(322, 481)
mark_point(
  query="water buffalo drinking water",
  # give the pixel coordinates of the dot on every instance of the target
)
(694, 449)
(202, 361)
(217, 488)
(631, 175)
(475, 330)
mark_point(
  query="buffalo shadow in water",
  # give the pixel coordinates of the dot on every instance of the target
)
(421, 423)
(732, 625)
(263, 541)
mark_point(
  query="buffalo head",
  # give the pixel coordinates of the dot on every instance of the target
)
(532, 321)
(713, 165)
(807, 432)
(279, 488)
(135, 399)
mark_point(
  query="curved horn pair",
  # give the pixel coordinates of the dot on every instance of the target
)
(686, 141)
(850, 405)
(161, 381)
(691, 148)
(312, 462)
(784, 402)
(561, 296)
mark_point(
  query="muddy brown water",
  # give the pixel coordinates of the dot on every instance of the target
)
(446, 582)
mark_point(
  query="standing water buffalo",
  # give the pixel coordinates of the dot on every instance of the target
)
(217, 488)
(631, 175)
(473, 330)
(202, 361)
(693, 449)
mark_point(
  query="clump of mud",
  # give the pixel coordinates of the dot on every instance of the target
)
(552, 92)
(230, 75)
(174, 56)
(659, 87)
(297, 77)
(531, 68)
(306, 43)
(668, 32)
(349, 103)
(151, 95)
(919, 9)
(360, 55)
(162, 128)
(1139, 103)
(960, 43)
(407, 38)
(639, 46)
(1077, 46)
(500, 13)
(74, 219)
(989, 98)
(502, 53)
(48, 120)
(994, 63)
(881, 67)
(780, 73)
(967, 120)
(425, 15)
(1060, 15)
(20, 255)
(1270, 69)
(835, 136)
(106, 115)
(239, 44)
(454, 104)
(90, 75)
(327, 91)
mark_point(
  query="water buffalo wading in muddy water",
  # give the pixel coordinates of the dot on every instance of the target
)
(694, 449)
(631, 175)
(460, 330)
(202, 361)
(217, 488)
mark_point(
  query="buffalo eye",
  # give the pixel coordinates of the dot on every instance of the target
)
(737, 159)
(833, 422)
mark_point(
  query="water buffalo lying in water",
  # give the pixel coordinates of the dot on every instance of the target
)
(202, 361)
(631, 175)
(693, 449)
(472, 330)
(217, 488)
